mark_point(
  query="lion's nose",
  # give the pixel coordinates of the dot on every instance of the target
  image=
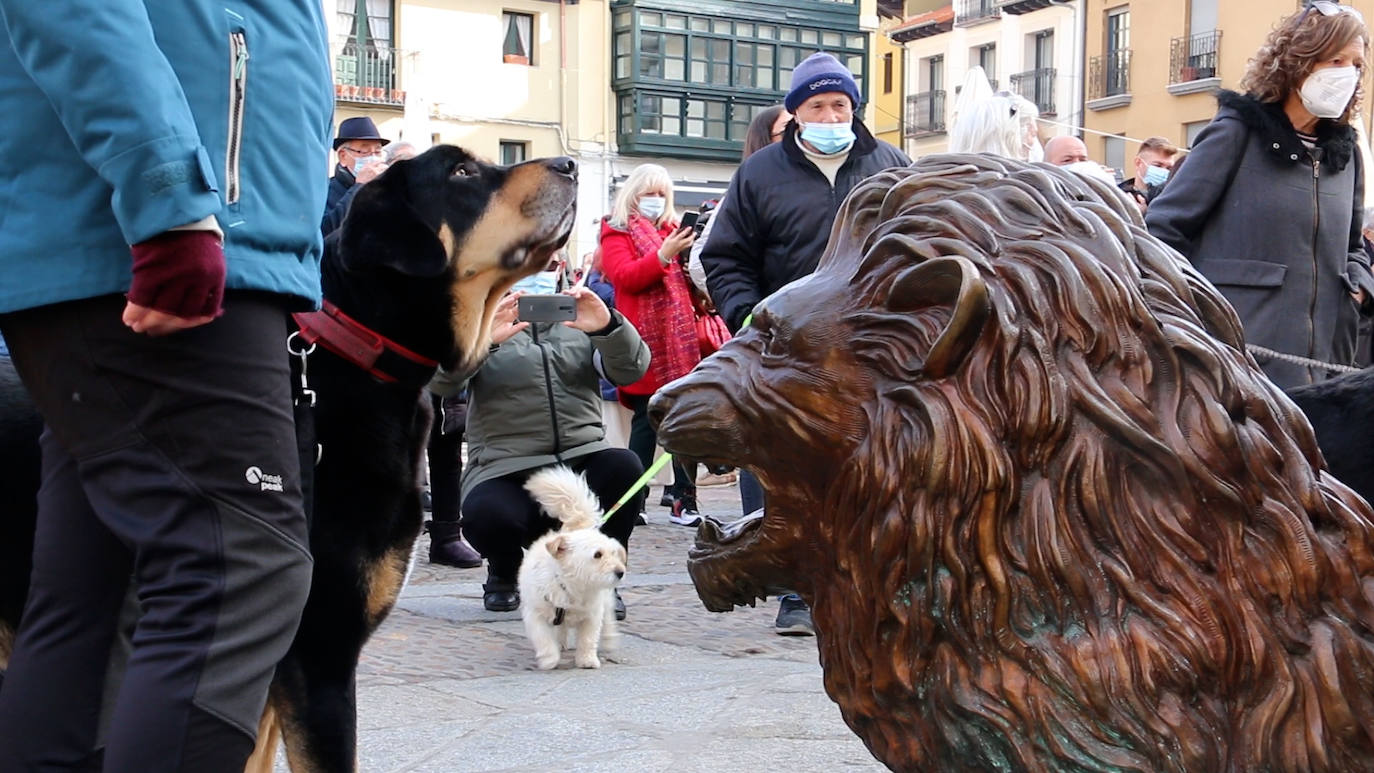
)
(563, 165)
(659, 406)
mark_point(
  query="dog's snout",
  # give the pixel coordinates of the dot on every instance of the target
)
(563, 165)
(620, 574)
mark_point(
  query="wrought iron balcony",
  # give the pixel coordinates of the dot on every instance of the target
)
(1038, 87)
(1109, 75)
(925, 114)
(367, 74)
(1194, 57)
(967, 12)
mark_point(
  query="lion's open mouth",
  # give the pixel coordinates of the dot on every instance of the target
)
(712, 535)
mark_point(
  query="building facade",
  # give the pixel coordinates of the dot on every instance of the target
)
(1154, 66)
(1030, 47)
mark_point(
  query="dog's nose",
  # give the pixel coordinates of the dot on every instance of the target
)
(619, 574)
(563, 165)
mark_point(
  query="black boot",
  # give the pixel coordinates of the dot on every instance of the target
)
(499, 594)
(447, 547)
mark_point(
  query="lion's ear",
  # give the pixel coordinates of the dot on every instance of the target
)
(383, 229)
(953, 283)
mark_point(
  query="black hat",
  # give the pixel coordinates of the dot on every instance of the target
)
(360, 128)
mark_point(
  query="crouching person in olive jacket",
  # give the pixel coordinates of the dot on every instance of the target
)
(536, 402)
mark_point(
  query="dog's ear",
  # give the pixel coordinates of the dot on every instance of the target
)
(556, 546)
(384, 227)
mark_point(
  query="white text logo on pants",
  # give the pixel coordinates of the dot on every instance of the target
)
(256, 476)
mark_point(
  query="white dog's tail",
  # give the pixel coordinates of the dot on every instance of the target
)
(565, 495)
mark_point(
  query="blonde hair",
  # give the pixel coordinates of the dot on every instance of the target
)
(1300, 42)
(1002, 124)
(645, 177)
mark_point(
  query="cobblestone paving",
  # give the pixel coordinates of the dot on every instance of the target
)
(464, 641)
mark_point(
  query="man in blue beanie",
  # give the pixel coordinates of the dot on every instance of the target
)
(775, 219)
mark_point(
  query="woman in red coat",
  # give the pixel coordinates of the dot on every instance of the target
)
(640, 245)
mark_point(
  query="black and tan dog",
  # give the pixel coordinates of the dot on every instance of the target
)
(411, 282)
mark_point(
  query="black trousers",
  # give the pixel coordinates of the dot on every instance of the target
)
(643, 440)
(445, 464)
(500, 519)
(169, 467)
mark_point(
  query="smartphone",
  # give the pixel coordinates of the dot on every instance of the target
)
(546, 308)
(689, 220)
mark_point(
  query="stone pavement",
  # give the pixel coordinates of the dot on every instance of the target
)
(448, 687)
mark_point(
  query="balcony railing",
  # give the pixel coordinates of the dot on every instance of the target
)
(1109, 75)
(975, 11)
(1194, 57)
(1038, 87)
(925, 113)
(367, 74)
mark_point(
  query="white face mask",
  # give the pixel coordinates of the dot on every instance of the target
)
(1090, 169)
(1327, 91)
(651, 206)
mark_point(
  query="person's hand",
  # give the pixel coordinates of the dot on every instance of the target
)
(504, 324)
(178, 282)
(676, 242)
(370, 171)
(592, 314)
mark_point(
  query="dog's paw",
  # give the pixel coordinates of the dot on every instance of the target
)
(588, 660)
(547, 662)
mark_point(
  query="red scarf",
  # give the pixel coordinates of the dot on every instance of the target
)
(667, 323)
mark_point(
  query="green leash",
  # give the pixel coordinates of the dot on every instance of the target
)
(653, 468)
(643, 479)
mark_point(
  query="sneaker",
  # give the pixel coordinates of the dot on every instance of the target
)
(667, 499)
(619, 606)
(640, 520)
(685, 511)
(794, 617)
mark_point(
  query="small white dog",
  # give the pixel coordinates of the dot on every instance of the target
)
(567, 579)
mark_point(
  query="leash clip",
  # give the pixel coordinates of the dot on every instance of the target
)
(304, 354)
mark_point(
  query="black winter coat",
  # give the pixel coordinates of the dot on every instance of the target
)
(775, 219)
(342, 186)
(1276, 228)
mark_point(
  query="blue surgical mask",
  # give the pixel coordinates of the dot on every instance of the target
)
(652, 206)
(828, 138)
(543, 283)
(362, 161)
(1156, 175)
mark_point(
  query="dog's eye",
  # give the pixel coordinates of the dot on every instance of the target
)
(461, 171)
(597, 554)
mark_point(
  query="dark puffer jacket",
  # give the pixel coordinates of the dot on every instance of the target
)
(1276, 228)
(775, 219)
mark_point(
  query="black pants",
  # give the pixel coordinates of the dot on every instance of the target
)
(500, 519)
(643, 441)
(445, 462)
(169, 465)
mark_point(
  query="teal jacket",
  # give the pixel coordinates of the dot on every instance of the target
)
(536, 400)
(120, 119)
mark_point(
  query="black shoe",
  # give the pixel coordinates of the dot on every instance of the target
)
(794, 617)
(640, 520)
(447, 547)
(619, 606)
(667, 499)
(499, 595)
(685, 510)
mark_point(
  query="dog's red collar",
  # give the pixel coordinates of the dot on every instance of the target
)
(381, 357)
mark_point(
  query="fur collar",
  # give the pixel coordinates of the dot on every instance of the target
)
(1336, 140)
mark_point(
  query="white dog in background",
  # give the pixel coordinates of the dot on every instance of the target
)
(568, 577)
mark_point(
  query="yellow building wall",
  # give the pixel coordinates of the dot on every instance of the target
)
(1244, 25)
(887, 105)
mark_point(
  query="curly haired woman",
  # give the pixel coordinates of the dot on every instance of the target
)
(640, 244)
(1269, 205)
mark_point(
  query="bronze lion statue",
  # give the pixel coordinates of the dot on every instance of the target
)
(1049, 514)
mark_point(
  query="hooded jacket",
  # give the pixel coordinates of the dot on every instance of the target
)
(1276, 228)
(775, 219)
(536, 400)
(125, 118)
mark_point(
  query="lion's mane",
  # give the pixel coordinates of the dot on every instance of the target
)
(1106, 540)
